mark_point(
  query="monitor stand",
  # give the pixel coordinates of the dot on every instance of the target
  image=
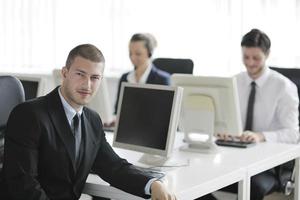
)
(198, 122)
(199, 143)
(157, 161)
(208, 147)
(153, 160)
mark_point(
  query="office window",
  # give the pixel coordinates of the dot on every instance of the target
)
(38, 34)
(27, 31)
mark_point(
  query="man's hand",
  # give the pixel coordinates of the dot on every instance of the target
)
(225, 136)
(110, 124)
(249, 136)
(160, 192)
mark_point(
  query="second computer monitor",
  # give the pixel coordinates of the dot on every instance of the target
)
(33, 86)
(147, 118)
(102, 104)
(206, 99)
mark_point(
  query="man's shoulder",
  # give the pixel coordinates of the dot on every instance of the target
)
(28, 111)
(280, 79)
(32, 104)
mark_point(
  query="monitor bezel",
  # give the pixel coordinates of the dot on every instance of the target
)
(173, 123)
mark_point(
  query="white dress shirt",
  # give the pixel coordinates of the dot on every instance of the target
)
(70, 113)
(69, 110)
(275, 108)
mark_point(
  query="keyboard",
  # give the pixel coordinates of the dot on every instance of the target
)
(234, 143)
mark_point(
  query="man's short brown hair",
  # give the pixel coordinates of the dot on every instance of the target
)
(87, 51)
(257, 38)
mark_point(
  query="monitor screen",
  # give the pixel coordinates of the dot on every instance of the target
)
(147, 118)
(32, 87)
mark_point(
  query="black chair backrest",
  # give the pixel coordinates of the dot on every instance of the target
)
(294, 75)
(174, 65)
(12, 93)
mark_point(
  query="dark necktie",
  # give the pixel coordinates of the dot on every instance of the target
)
(77, 135)
(249, 117)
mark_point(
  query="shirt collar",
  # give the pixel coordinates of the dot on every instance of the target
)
(131, 76)
(260, 80)
(69, 110)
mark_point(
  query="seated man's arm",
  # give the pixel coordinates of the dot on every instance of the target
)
(284, 127)
(21, 155)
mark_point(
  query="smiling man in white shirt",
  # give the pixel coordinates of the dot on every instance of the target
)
(269, 107)
(275, 112)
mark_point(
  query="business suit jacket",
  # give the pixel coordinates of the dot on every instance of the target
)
(156, 76)
(39, 161)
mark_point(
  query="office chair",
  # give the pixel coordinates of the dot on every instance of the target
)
(286, 171)
(12, 93)
(174, 65)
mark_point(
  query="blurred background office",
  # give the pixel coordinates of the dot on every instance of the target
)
(35, 35)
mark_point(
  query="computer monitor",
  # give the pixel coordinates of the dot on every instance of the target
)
(33, 86)
(56, 74)
(101, 102)
(210, 106)
(147, 120)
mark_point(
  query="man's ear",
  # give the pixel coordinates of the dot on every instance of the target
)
(64, 71)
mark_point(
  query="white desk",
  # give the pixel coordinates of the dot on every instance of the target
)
(209, 172)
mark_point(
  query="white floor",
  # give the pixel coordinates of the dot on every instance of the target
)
(278, 196)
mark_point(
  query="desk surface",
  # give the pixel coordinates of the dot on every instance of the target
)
(206, 172)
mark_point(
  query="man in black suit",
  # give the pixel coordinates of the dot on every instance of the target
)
(53, 142)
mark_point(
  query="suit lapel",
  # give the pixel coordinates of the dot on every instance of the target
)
(151, 76)
(60, 121)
